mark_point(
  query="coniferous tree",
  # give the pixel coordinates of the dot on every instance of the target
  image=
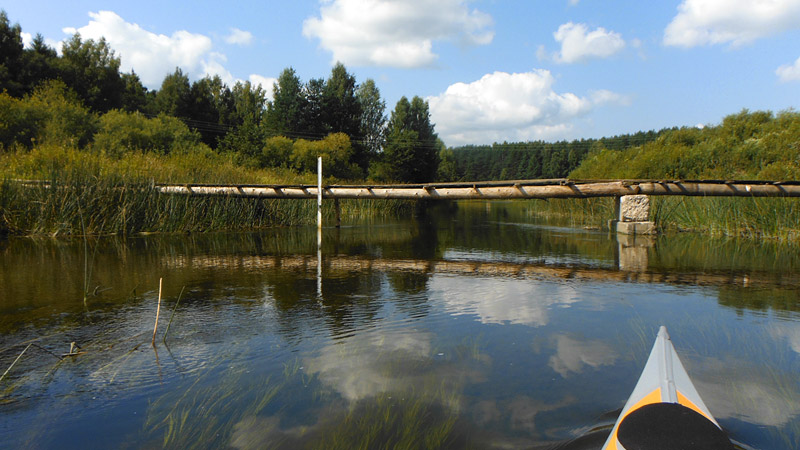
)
(174, 97)
(411, 153)
(91, 70)
(10, 56)
(285, 112)
(373, 117)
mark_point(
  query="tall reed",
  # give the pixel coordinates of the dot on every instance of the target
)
(93, 194)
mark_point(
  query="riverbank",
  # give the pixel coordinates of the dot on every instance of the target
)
(93, 194)
(96, 194)
(751, 218)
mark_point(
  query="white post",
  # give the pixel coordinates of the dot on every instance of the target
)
(319, 228)
(319, 193)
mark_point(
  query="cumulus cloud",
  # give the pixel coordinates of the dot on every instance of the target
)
(239, 37)
(152, 56)
(573, 354)
(395, 33)
(734, 22)
(265, 83)
(501, 300)
(789, 72)
(510, 106)
(579, 44)
(27, 39)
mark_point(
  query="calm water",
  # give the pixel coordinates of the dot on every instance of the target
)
(472, 327)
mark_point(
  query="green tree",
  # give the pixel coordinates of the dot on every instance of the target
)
(249, 103)
(11, 49)
(135, 96)
(447, 170)
(341, 110)
(121, 132)
(246, 139)
(285, 112)
(277, 152)
(206, 97)
(411, 153)
(336, 152)
(373, 118)
(313, 122)
(92, 71)
(40, 64)
(175, 96)
(59, 115)
(17, 125)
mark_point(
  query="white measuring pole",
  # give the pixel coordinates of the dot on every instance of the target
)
(319, 228)
(319, 192)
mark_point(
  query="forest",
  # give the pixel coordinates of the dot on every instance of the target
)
(73, 118)
(80, 99)
(530, 160)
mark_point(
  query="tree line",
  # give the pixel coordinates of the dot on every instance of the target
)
(81, 98)
(748, 145)
(530, 160)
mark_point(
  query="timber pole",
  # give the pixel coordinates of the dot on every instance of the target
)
(527, 189)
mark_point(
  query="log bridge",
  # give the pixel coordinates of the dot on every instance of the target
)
(632, 206)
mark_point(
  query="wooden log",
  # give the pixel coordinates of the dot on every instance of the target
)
(517, 190)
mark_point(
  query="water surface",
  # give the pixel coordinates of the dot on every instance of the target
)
(473, 326)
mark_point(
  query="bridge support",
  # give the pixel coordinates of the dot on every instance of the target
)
(632, 215)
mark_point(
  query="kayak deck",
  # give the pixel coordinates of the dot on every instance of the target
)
(665, 411)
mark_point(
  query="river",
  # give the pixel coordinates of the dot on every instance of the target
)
(475, 325)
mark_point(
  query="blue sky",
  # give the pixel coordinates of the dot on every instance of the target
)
(491, 70)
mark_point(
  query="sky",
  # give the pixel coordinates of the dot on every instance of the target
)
(491, 70)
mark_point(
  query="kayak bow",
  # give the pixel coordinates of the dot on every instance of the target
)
(665, 411)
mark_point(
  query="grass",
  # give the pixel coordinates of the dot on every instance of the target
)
(754, 218)
(91, 193)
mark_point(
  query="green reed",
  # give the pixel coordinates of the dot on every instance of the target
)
(92, 195)
(756, 218)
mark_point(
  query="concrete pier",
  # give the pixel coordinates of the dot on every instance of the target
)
(632, 214)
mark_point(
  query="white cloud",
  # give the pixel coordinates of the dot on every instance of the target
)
(501, 300)
(265, 83)
(239, 37)
(573, 354)
(27, 39)
(579, 44)
(356, 367)
(789, 72)
(737, 22)
(510, 106)
(395, 33)
(151, 55)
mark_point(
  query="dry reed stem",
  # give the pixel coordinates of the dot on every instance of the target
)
(172, 316)
(158, 310)
(15, 362)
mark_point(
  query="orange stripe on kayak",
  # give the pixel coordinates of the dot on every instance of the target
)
(683, 400)
(652, 397)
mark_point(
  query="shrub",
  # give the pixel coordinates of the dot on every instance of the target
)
(122, 132)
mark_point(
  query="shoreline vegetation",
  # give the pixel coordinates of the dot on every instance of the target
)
(101, 192)
(93, 194)
(100, 136)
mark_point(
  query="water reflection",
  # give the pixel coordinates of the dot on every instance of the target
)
(498, 331)
(573, 354)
